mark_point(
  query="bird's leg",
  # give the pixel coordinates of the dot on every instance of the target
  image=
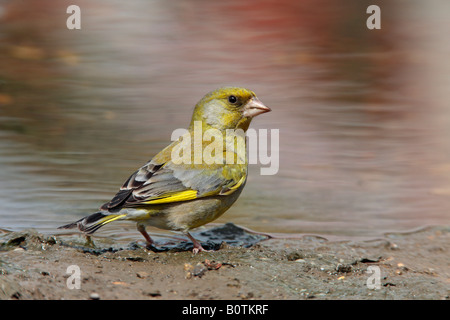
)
(141, 229)
(197, 246)
(89, 242)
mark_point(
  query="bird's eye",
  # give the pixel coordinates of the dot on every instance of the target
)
(232, 99)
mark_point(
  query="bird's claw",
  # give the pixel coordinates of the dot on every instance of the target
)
(199, 248)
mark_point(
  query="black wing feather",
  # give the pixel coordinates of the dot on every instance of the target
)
(135, 181)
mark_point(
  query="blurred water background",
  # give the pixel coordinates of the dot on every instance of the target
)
(364, 115)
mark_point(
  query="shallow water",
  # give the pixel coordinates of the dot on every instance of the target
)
(363, 115)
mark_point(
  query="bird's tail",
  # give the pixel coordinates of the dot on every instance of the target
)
(93, 222)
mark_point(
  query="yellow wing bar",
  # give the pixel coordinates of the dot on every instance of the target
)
(175, 197)
(192, 194)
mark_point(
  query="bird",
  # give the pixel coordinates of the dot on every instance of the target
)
(182, 195)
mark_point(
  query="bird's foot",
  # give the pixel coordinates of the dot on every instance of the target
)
(197, 246)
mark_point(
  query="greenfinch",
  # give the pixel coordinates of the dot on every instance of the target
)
(182, 195)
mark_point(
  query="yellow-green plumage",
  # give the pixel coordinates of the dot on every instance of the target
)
(182, 196)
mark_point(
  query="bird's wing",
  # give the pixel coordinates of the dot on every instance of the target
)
(160, 182)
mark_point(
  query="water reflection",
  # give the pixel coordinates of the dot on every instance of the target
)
(363, 118)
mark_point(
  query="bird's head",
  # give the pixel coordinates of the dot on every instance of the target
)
(228, 108)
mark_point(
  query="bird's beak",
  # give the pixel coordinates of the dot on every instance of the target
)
(255, 107)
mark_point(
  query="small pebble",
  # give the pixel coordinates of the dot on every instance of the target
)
(94, 296)
(199, 270)
(155, 293)
(344, 268)
(142, 274)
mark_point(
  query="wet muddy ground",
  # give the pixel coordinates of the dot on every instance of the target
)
(413, 265)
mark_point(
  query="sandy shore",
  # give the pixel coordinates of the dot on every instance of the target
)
(412, 265)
